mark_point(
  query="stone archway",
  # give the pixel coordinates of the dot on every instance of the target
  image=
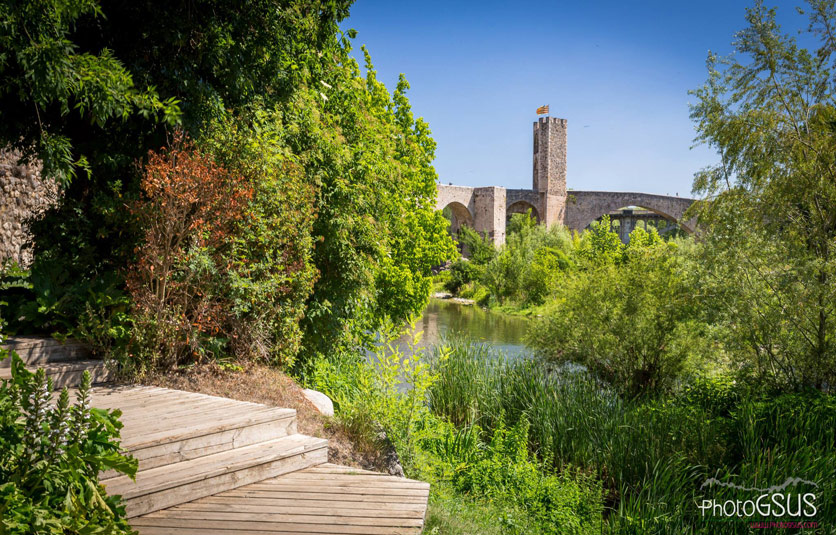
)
(584, 207)
(458, 215)
(522, 207)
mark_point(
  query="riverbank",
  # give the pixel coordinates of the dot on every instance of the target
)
(453, 299)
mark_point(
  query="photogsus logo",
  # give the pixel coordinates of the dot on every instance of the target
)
(776, 502)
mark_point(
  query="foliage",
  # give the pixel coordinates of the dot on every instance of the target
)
(633, 324)
(272, 272)
(650, 455)
(462, 272)
(188, 215)
(527, 268)
(452, 514)
(274, 80)
(479, 249)
(46, 74)
(378, 232)
(373, 400)
(389, 394)
(601, 244)
(50, 458)
(769, 227)
(524, 271)
(502, 470)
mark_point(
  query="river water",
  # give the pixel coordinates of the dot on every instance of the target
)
(444, 318)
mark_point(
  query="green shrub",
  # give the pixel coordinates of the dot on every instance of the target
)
(50, 458)
(479, 249)
(462, 272)
(527, 268)
(385, 394)
(502, 470)
(632, 323)
(225, 265)
(650, 455)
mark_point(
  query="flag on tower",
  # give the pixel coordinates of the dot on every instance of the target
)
(543, 110)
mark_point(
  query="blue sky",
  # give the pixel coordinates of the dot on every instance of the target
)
(618, 71)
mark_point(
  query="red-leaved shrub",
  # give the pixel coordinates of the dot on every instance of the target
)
(189, 213)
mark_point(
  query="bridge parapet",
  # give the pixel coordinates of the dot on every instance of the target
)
(584, 207)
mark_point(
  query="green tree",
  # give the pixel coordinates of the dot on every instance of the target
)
(770, 226)
(70, 72)
(632, 324)
(267, 67)
(378, 231)
(600, 243)
(51, 86)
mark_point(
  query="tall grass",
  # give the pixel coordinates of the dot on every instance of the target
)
(652, 455)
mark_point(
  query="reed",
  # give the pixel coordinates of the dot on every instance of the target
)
(651, 455)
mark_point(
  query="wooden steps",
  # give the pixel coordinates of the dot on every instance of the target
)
(176, 483)
(64, 362)
(165, 426)
(215, 466)
(190, 446)
(37, 350)
(325, 499)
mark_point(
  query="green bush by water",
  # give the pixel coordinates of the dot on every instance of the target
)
(489, 470)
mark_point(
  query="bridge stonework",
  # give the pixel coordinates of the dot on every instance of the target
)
(549, 200)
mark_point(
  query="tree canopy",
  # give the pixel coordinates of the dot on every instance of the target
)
(769, 111)
(100, 84)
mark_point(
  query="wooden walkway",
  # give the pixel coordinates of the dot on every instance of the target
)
(324, 499)
(215, 466)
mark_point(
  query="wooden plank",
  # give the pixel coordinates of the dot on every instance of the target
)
(351, 478)
(222, 506)
(276, 517)
(185, 472)
(363, 483)
(194, 419)
(170, 485)
(317, 502)
(232, 479)
(152, 525)
(247, 492)
(207, 444)
(347, 490)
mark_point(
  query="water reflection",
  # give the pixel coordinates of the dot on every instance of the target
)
(442, 317)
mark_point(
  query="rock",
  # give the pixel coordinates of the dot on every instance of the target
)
(393, 462)
(319, 400)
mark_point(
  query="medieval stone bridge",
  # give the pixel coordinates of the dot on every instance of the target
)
(486, 209)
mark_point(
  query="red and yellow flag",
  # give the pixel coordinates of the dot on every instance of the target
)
(543, 110)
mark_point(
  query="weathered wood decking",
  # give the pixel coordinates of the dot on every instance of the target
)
(209, 466)
(323, 499)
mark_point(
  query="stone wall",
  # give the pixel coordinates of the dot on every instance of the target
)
(22, 194)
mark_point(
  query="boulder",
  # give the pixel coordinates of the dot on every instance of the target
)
(319, 400)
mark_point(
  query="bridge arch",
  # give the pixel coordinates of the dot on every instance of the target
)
(584, 207)
(522, 207)
(459, 216)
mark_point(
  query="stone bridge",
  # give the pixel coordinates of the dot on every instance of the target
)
(486, 209)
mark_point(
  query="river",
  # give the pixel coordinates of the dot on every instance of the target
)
(443, 317)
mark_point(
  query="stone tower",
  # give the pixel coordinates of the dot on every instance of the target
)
(550, 168)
